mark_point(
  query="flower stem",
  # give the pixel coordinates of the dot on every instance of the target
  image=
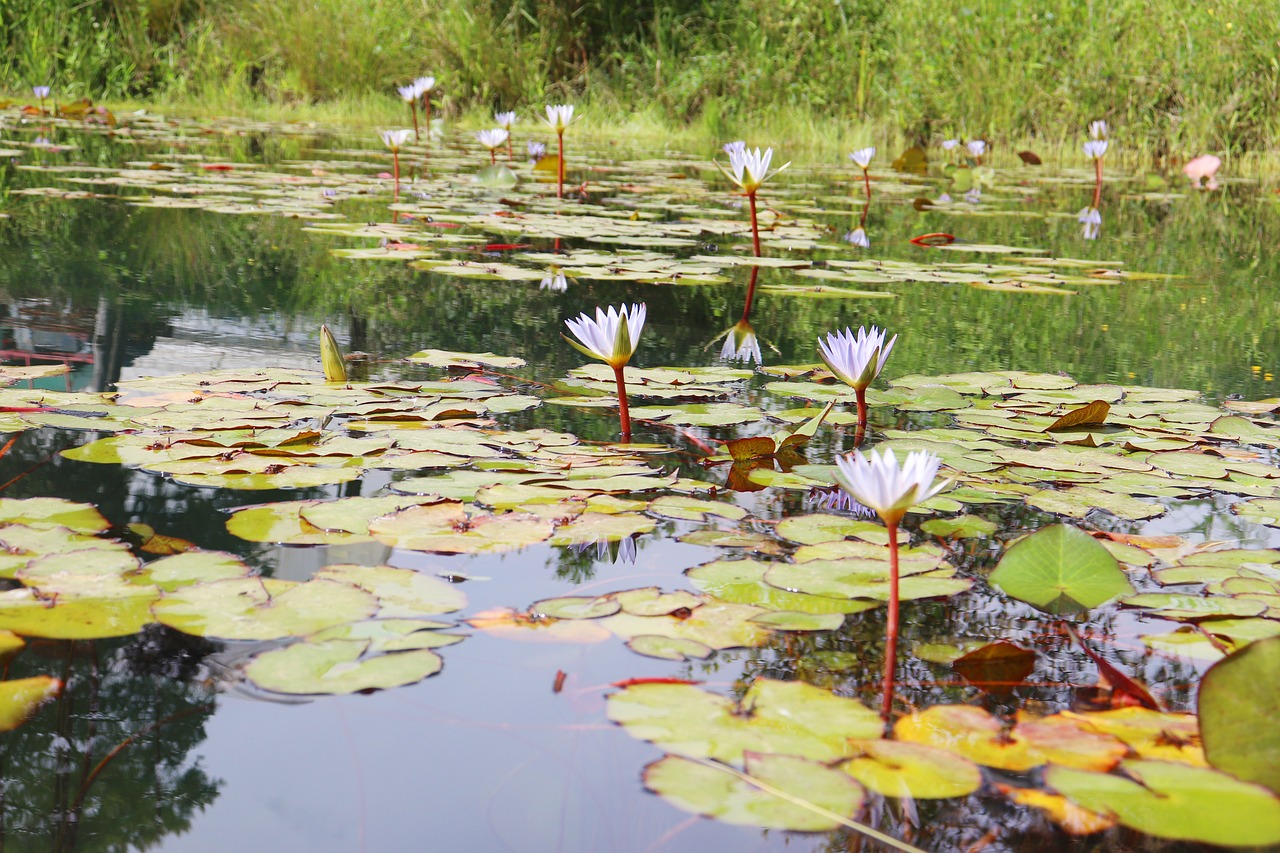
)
(413, 109)
(560, 183)
(866, 179)
(755, 228)
(751, 294)
(426, 113)
(493, 157)
(891, 640)
(624, 413)
(395, 158)
(509, 155)
(861, 434)
(1097, 185)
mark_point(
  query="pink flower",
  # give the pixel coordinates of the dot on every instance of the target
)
(1204, 166)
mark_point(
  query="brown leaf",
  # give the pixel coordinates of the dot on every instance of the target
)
(1029, 157)
(997, 667)
(1090, 413)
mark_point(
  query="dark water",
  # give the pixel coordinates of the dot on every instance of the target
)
(486, 756)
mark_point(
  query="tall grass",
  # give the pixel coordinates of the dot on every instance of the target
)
(1171, 77)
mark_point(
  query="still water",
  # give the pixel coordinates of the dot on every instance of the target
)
(487, 755)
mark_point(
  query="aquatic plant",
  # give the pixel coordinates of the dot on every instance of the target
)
(556, 283)
(741, 344)
(878, 483)
(335, 367)
(505, 120)
(559, 116)
(537, 151)
(977, 149)
(611, 337)
(862, 158)
(856, 360)
(749, 169)
(1091, 219)
(493, 140)
(425, 86)
(1199, 168)
(395, 140)
(40, 92)
(1096, 148)
(858, 237)
(410, 95)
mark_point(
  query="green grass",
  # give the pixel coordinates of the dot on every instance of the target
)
(1174, 79)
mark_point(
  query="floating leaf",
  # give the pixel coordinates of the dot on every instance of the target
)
(1238, 707)
(997, 667)
(900, 769)
(669, 648)
(1090, 413)
(22, 697)
(262, 608)
(336, 667)
(1060, 569)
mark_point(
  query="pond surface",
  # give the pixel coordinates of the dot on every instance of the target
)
(159, 249)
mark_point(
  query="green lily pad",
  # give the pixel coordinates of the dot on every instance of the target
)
(262, 608)
(400, 592)
(961, 527)
(900, 769)
(1238, 705)
(669, 648)
(446, 528)
(22, 697)
(24, 612)
(742, 582)
(336, 667)
(1060, 569)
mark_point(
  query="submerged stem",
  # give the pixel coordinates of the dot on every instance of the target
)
(624, 412)
(891, 641)
(866, 179)
(560, 182)
(1097, 185)
(751, 295)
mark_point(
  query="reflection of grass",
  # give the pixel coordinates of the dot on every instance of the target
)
(1166, 74)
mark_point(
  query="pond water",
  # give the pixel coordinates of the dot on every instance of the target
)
(213, 251)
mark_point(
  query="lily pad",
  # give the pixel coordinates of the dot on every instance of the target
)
(1060, 569)
(1238, 707)
(336, 667)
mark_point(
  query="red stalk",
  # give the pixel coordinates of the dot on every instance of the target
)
(861, 434)
(493, 157)
(751, 295)
(624, 412)
(509, 155)
(755, 229)
(560, 184)
(866, 179)
(413, 108)
(1097, 186)
(395, 158)
(891, 643)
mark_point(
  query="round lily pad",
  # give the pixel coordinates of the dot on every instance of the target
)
(262, 608)
(899, 769)
(336, 667)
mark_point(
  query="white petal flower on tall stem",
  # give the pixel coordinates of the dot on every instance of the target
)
(559, 117)
(862, 157)
(877, 482)
(395, 140)
(1095, 148)
(493, 140)
(612, 337)
(423, 86)
(410, 94)
(741, 344)
(950, 144)
(537, 151)
(738, 145)
(40, 92)
(749, 169)
(977, 148)
(856, 360)
(505, 120)
(1098, 129)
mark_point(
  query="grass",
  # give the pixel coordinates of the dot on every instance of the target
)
(1173, 79)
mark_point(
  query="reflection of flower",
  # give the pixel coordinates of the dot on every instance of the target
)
(1095, 148)
(610, 337)
(40, 92)
(559, 116)
(620, 550)
(856, 360)
(556, 283)
(1098, 129)
(974, 195)
(394, 139)
(741, 344)
(878, 483)
(749, 168)
(836, 499)
(505, 120)
(1091, 219)
(537, 151)
(1204, 166)
(863, 157)
(977, 147)
(492, 139)
(858, 237)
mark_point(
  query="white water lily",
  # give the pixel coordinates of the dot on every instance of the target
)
(40, 92)
(555, 283)
(1095, 148)
(977, 147)
(749, 168)
(863, 157)
(877, 482)
(410, 93)
(856, 359)
(492, 139)
(505, 120)
(395, 139)
(741, 344)
(737, 145)
(424, 85)
(950, 144)
(559, 116)
(537, 151)
(1098, 129)
(611, 336)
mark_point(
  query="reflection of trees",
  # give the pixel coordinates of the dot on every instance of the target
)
(143, 688)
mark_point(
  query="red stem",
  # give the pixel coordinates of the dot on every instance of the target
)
(755, 229)
(493, 157)
(624, 412)
(395, 158)
(861, 394)
(509, 155)
(891, 643)
(866, 178)
(426, 113)
(1097, 186)
(751, 295)
(413, 108)
(560, 183)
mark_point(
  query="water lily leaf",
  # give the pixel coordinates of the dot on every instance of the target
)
(1237, 707)
(446, 528)
(262, 608)
(511, 624)
(755, 542)
(785, 620)
(785, 717)
(1090, 413)
(1171, 606)
(693, 509)
(718, 624)
(742, 582)
(901, 769)
(391, 635)
(1060, 569)
(282, 524)
(22, 545)
(856, 578)
(706, 789)
(961, 527)
(1171, 800)
(976, 735)
(602, 527)
(1079, 501)
(996, 667)
(1066, 814)
(1262, 511)
(352, 515)
(700, 414)
(575, 607)
(336, 667)
(24, 612)
(1149, 733)
(22, 697)
(400, 592)
(473, 360)
(821, 527)
(52, 512)
(669, 648)
(651, 601)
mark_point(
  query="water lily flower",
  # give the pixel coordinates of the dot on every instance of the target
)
(741, 344)
(857, 360)
(559, 116)
(1098, 129)
(1095, 148)
(863, 157)
(749, 169)
(623, 550)
(835, 499)
(493, 140)
(1204, 166)
(611, 337)
(410, 95)
(505, 120)
(556, 283)
(424, 87)
(977, 148)
(858, 237)
(738, 145)
(1091, 219)
(40, 92)
(950, 144)
(335, 366)
(395, 140)
(536, 151)
(877, 482)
